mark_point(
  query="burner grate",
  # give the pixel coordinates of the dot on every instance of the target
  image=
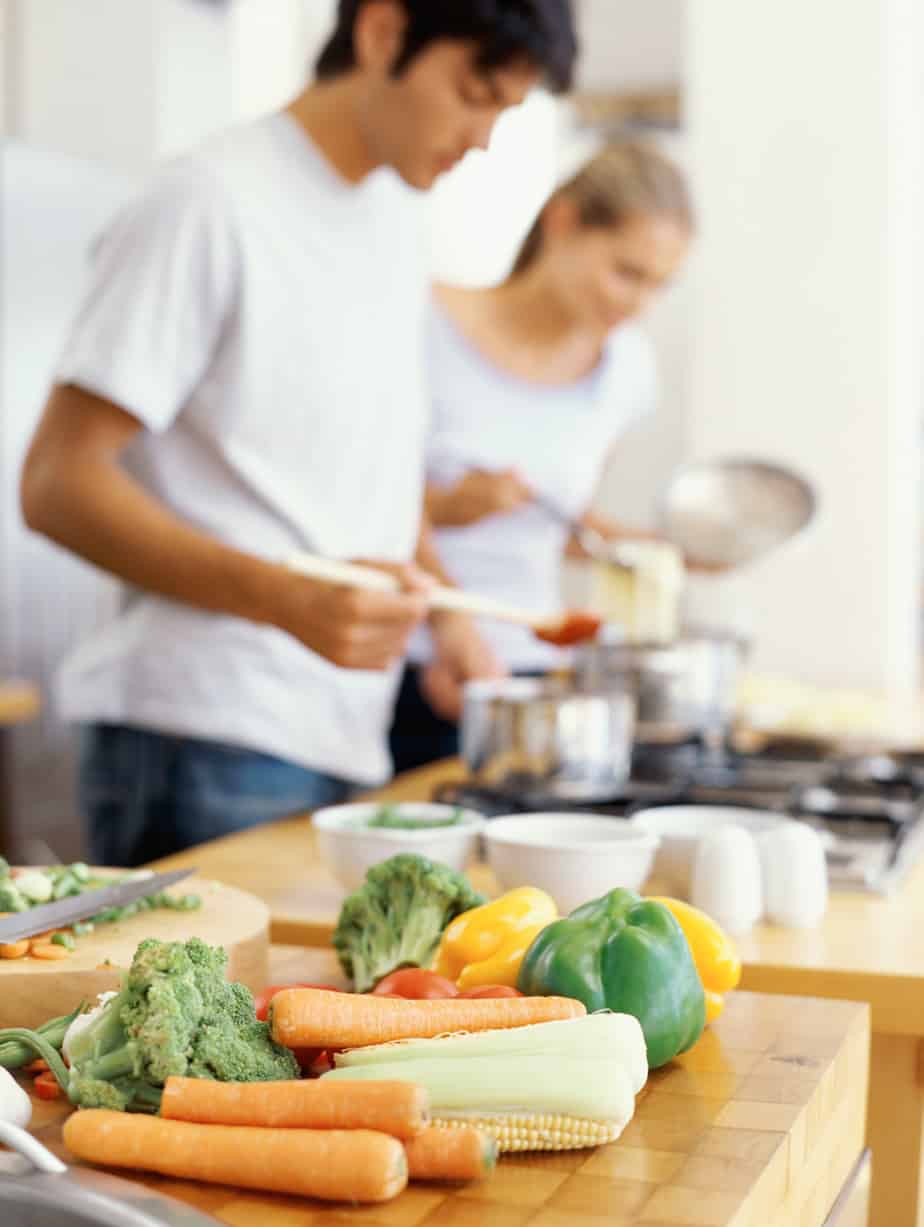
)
(871, 810)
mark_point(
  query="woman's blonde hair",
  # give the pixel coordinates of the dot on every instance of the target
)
(626, 179)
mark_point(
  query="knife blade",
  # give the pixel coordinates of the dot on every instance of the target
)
(79, 907)
(76, 1196)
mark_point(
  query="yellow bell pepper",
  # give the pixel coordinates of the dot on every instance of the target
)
(713, 952)
(486, 944)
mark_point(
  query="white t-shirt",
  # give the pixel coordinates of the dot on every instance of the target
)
(263, 319)
(557, 437)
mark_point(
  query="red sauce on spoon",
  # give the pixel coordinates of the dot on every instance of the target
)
(577, 626)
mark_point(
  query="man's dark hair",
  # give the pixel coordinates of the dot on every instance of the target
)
(540, 31)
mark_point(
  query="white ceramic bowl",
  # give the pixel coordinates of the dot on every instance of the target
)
(681, 827)
(349, 847)
(573, 857)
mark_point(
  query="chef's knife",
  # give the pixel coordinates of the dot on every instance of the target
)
(78, 907)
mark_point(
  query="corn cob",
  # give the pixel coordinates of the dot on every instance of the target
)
(551, 1086)
(517, 1131)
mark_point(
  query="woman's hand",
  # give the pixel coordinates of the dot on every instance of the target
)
(462, 655)
(477, 495)
(610, 531)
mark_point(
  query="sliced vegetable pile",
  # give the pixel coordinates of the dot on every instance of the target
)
(21, 889)
(390, 818)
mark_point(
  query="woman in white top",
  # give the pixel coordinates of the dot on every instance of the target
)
(532, 381)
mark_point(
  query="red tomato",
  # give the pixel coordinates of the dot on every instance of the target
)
(492, 990)
(322, 1063)
(417, 983)
(306, 1057)
(46, 1086)
(262, 1000)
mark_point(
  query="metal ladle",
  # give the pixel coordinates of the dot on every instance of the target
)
(592, 542)
(727, 513)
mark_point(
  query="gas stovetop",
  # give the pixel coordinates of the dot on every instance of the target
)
(870, 810)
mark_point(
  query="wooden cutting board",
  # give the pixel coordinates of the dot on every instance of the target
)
(32, 990)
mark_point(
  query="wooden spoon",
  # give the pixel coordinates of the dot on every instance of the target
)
(562, 630)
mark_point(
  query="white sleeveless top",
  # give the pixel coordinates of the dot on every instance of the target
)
(557, 437)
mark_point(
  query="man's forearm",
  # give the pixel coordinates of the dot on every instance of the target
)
(427, 557)
(98, 511)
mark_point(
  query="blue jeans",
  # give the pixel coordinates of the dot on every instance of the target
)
(145, 794)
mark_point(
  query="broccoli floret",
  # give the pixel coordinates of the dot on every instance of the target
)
(11, 897)
(175, 1014)
(4, 867)
(398, 915)
(231, 1053)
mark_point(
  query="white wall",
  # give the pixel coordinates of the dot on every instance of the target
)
(630, 44)
(51, 206)
(73, 96)
(127, 82)
(480, 211)
(807, 157)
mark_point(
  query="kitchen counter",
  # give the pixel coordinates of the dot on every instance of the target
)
(868, 949)
(760, 1125)
(19, 702)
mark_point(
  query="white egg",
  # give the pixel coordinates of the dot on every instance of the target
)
(795, 875)
(727, 882)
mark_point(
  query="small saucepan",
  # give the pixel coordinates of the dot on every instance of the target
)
(542, 738)
(682, 690)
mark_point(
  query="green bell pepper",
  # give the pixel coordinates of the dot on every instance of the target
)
(626, 954)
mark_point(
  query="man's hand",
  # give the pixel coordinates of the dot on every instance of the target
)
(477, 495)
(462, 655)
(351, 627)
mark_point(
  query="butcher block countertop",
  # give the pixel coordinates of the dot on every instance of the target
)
(19, 701)
(760, 1125)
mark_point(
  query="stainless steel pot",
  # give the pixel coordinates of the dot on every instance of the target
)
(542, 738)
(682, 689)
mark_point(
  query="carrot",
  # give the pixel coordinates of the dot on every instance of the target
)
(45, 950)
(14, 950)
(398, 1108)
(46, 1086)
(312, 1018)
(333, 1164)
(462, 1153)
(38, 1066)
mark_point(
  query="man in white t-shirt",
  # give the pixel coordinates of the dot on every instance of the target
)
(244, 381)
